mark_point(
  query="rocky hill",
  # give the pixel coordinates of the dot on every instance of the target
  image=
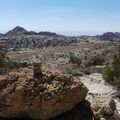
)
(16, 31)
(21, 31)
(36, 41)
(110, 36)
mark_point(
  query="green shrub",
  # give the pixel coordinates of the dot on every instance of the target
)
(74, 72)
(95, 60)
(74, 59)
(112, 73)
(6, 65)
(108, 75)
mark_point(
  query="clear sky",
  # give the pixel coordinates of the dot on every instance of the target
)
(71, 17)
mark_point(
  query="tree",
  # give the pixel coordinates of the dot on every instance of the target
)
(112, 73)
(6, 65)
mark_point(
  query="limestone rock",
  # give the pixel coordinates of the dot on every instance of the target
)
(103, 107)
(22, 95)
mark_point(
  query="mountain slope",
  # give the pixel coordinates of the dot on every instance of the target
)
(16, 31)
(110, 36)
(21, 31)
(1, 34)
(47, 33)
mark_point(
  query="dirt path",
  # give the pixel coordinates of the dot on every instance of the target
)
(97, 86)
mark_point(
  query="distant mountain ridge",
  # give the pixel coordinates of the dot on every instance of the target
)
(16, 31)
(110, 36)
(21, 31)
(1, 34)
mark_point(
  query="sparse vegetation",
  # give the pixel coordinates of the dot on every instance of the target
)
(74, 72)
(74, 59)
(96, 60)
(112, 73)
(6, 65)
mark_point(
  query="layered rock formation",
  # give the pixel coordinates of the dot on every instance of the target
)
(36, 41)
(22, 95)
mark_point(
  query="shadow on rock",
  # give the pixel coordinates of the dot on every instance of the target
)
(82, 111)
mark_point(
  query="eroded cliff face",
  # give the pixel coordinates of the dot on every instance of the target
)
(22, 95)
(36, 41)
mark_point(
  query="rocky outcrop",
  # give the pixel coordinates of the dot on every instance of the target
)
(103, 108)
(22, 95)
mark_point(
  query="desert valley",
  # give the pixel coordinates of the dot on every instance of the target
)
(50, 76)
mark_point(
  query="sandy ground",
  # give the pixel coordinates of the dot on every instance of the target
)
(97, 86)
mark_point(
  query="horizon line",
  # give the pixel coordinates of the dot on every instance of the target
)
(66, 33)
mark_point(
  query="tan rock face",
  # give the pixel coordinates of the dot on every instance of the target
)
(21, 95)
(103, 107)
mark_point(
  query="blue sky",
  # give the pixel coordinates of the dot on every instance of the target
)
(71, 17)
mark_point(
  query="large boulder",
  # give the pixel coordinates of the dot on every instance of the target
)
(22, 95)
(103, 107)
